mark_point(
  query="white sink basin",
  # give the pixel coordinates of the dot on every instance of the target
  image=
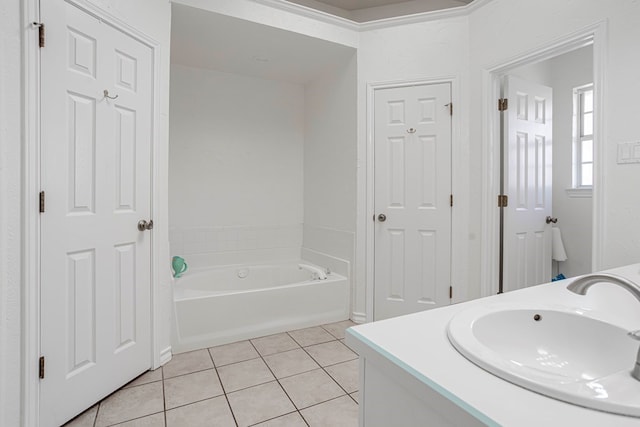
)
(557, 352)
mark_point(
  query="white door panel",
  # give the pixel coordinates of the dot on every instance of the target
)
(96, 171)
(528, 183)
(412, 189)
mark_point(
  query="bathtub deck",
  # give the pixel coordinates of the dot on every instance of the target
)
(306, 377)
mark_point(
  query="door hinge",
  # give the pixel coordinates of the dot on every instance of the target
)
(503, 201)
(41, 201)
(503, 104)
(41, 367)
(41, 36)
(450, 292)
(450, 105)
(450, 199)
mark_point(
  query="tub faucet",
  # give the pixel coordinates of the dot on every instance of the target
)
(316, 272)
(582, 284)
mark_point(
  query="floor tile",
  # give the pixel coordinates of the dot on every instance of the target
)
(85, 419)
(337, 329)
(259, 403)
(290, 420)
(311, 388)
(274, 344)
(129, 403)
(310, 336)
(340, 412)
(244, 374)
(343, 341)
(191, 388)
(330, 353)
(186, 363)
(233, 353)
(290, 362)
(146, 378)
(211, 412)
(346, 374)
(155, 420)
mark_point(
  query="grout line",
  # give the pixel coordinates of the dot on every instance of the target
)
(325, 371)
(224, 392)
(181, 375)
(275, 418)
(278, 381)
(330, 376)
(95, 420)
(164, 400)
(326, 401)
(195, 401)
(235, 363)
(133, 419)
(329, 332)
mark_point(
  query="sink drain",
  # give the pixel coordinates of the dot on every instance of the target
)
(537, 317)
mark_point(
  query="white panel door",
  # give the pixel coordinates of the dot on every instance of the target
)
(412, 189)
(528, 183)
(96, 174)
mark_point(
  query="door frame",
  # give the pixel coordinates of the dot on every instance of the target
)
(458, 215)
(30, 396)
(594, 35)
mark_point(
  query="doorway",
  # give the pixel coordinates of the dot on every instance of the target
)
(568, 244)
(566, 67)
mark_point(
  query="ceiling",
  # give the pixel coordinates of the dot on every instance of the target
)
(208, 40)
(359, 4)
(371, 10)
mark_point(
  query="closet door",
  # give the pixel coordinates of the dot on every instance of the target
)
(96, 93)
(412, 199)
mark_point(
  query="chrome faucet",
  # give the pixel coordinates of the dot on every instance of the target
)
(582, 284)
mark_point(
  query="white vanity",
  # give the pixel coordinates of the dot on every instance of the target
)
(412, 375)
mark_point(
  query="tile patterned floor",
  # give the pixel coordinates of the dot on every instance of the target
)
(307, 377)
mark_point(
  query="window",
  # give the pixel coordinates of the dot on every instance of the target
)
(583, 137)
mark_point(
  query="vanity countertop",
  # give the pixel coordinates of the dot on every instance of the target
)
(418, 344)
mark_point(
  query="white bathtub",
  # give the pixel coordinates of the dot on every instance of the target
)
(226, 304)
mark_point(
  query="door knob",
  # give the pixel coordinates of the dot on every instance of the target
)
(550, 220)
(382, 217)
(144, 225)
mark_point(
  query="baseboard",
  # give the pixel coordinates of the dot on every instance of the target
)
(359, 317)
(165, 355)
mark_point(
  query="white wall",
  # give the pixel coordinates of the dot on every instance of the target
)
(152, 17)
(540, 73)
(575, 215)
(236, 147)
(330, 165)
(503, 29)
(10, 212)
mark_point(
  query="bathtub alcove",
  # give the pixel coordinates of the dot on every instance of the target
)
(262, 177)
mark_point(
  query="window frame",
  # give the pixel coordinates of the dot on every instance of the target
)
(578, 137)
